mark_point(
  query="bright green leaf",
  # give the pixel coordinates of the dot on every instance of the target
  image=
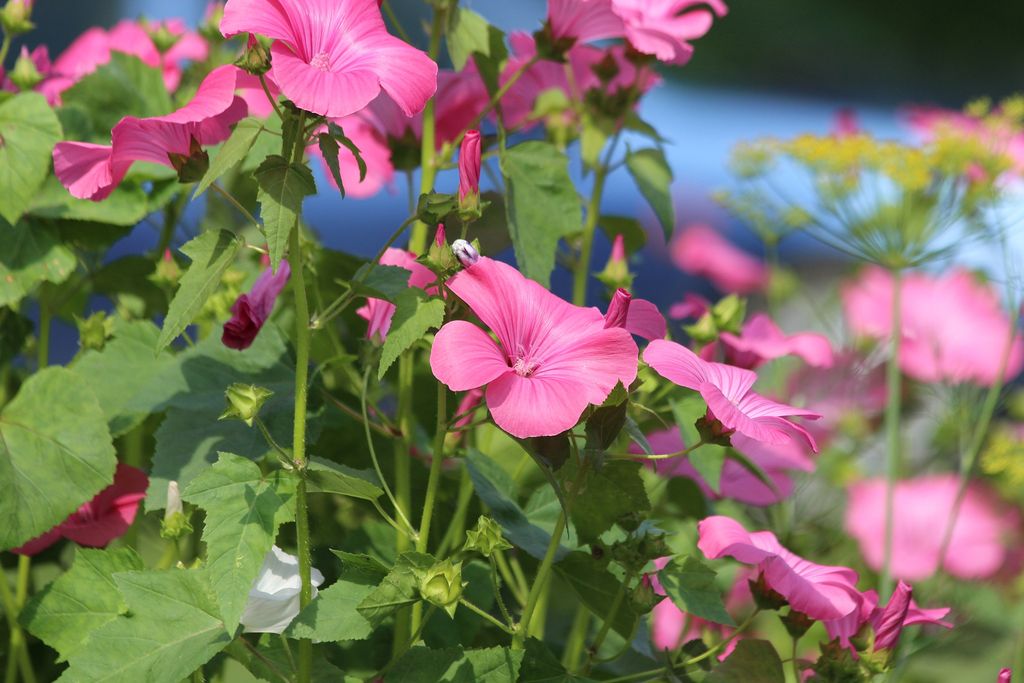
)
(654, 179)
(330, 477)
(415, 314)
(542, 205)
(55, 454)
(468, 33)
(398, 589)
(691, 586)
(609, 495)
(455, 665)
(122, 87)
(708, 460)
(30, 254)
(753, 661)
(333, 615)
(28, 132)
(231, 153)
(382, 282)
(127, 205)
(276, 658)
(282, 187)
(211, 254)
(329, 149)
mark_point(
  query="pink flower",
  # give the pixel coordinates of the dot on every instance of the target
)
(1005, 675)
(726, 390)
(692, 306)
(583, 21)
(921, 512)
(638, 316)
(821, 592)
(932, 122)
(250, 311)
(551, 361)
(106, 517)
(888, 622)
(762, 340)
(469, 165)
(737, 482)
(700, 250)
(664, 28)
(333, 57)
(966, 343)
(846, 124)
(379, 312)
(91, 171)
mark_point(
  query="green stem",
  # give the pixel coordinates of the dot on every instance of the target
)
(230, 198)
(519, 639)
(395, 24)
(5, 47)
(373, 456)
(577, 637)
(609, 618)
(510, 579)
(436, 460)
(428, 167)
(894, 390)
(457, 529)
(496, 585)
(270, 97)
(582, 271)
(489, 618)
(19, 659)
(406, 621)
(43, 340)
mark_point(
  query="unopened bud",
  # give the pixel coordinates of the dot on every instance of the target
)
(469, 176)
(616, 271)
(210, 26)
(442, 585)
(764, 597)
(25, 74)
(465, 252)
(889, 624)
(94, 331)
(245, 402)
(618, 309)
(175, 523)
(162, 37)
(440, 239)
(193, 166)
(16, 17)
(1004, 676)
(486, 538)
(256, 58)
(796, 623)
(440, 258)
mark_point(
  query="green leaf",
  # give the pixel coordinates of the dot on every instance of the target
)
(282, 187)
(491, 484)
(654, 179)
(686, 413)
(28, 132)
(172, 628)
(382, 282)
(455, 665)
(122, 87)
(333, 615)
(330, 477)
(604, 425)
(65, 613)
(753, 661)
(609, 495)
(540, 666)
(415, 313)
(398, 589)
(276, 658)
(366, 568)
(55, 454)
(127, 205)
(633, 234)
(542, 205)
(244, 509)
(691, 586)
(211, 254)
(596, 588)
(329, 149)
(339, 135)
(708, 460)
(468, 33)
(231, 153)
(30, 254)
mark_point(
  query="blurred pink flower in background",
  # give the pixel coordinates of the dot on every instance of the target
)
(846, 123)
(965, 341)
(930, 122)
(250, 311)
(378, 312)
(663, 28)
(106, 517)
(374, 150)
(922, 507)
(583, 21)
(551, 361)
(761, 340)
(727, 391)
(702, 251)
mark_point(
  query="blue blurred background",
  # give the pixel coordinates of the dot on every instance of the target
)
(768, 68)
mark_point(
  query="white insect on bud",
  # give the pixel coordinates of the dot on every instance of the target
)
(465, 252)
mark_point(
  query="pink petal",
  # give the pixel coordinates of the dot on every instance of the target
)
(667, 622)
(40, 543)
(584, 20)
(701, 250)
(645, 320)
(463, 357)
(536, 406)
(111, 512)
(85, 169)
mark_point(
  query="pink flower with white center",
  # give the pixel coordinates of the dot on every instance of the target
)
(922, 508)
(664, 28)
(250, 311)
(761, 340)
(106, 517)
(469, 165)
(638, 316)
(702, 251)
(966, 343)
(887, 622)
(551, 361)
(378, 312)
(333, 57)
(821, 592)
(726, 390)
(737, 482)
(91, 171)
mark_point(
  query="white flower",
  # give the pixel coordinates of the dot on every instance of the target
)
(274, 598)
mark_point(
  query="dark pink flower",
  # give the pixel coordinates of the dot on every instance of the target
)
(551, 361)
(469, 165)
(106, 517)
(378, 312)
(91, 171)
(638, 316)
(888, 622)
(761, 340)
(692, 306)
(664, 28)
(821, 592)
(250, 311)
(846, 124)
(1005, 676)
(333, 57)
(702, 251)
(727, 391)
(966, 343)
(921, 512)
(583, 21)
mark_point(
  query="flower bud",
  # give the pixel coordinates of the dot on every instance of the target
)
(442, 585)
(440, 258)
(191, 167)
(486, 538)
(889, 623)
(94, 331)
(796, 623)
(440, 238)
(618, 309)
(256, 58)
(25, 74)
(167, 270)
(245, 401)
(175, 523)
(16, 17)
(764, 597)
(210, 26)
(465, 252)
(469, 176)
(616, 271)
(1004, 676)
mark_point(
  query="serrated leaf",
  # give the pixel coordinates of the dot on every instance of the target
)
(398, 589)
(653, 177)
(330, 477)
(329, 149)
(276, 660)
(211, 254)
(380, 281)
(753, 661)
(333, 615)
(30, 254)
(122, 87)
(604, 425)
(231, 153)
(596, 588)
(244, 509)
(468, 33)
(455, 665)
(55, 454)
(542, 205)
(415, 313)
(691, 586)
(171, 629)
(282, 187)
(66, 612)
(609, 495)
(28, 132)
(361, 568)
